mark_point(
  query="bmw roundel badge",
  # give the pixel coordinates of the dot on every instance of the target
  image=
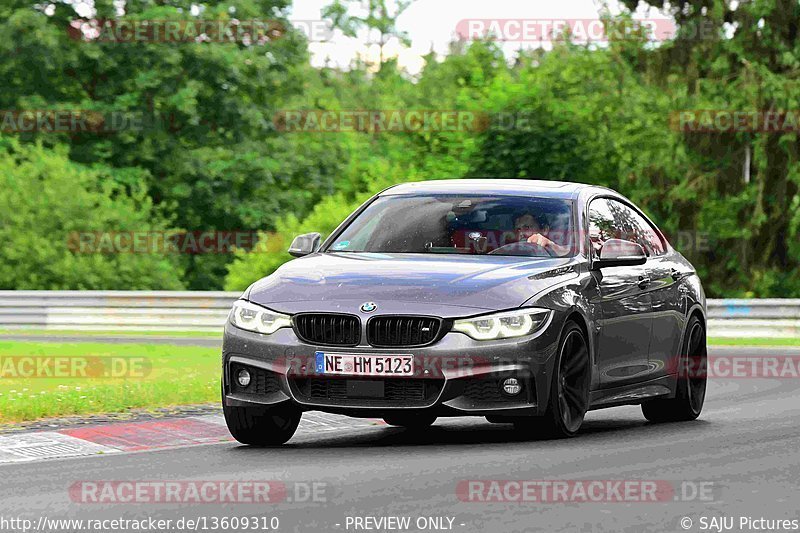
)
(368, 307)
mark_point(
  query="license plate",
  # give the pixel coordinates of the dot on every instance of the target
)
(350, 364)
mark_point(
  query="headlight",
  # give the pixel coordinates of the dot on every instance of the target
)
(258, 319)
(503, 325)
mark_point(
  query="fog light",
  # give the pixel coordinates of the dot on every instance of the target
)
(512, 386)
(243, 377)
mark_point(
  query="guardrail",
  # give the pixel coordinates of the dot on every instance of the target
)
(207, 311)
(115, 310)
(774, 317)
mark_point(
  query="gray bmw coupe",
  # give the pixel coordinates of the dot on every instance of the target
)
(525, 302)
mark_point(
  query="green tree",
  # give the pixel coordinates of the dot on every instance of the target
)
(745, 185)
(47, 203)
(379, 20)
(206, 142)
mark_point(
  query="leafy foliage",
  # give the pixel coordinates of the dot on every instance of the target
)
(211, 157)
(47, 202)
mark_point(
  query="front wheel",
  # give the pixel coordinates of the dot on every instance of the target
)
(262, 426)
(569, 389)
(690, 393)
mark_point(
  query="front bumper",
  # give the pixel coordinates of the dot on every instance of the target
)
(455, 376)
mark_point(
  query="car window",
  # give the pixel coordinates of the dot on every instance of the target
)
(461, 224)
(609, 219)
(601, 225)
(635, 228)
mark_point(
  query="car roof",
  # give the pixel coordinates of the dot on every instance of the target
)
(500, 186)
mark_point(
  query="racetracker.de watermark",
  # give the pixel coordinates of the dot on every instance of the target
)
(583, 491)
(82, 367)
(739, 367)
(422, 367)
(379, 120)
(198, 492)
(168, 242)
(373, 121)
(592, 30)
(223, 242)
(734, 121)
(69, 121)
(246, 31)
(402, 120)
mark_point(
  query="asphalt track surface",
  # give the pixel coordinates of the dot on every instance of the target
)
(743, 452)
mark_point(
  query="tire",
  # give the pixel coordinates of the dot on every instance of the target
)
(569, 389)
(262, 426)
(410, 421)
(690, 391)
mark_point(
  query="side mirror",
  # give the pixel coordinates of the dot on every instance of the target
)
(619, 252)
(305, 244)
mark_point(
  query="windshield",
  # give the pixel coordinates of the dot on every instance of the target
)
(461, 224)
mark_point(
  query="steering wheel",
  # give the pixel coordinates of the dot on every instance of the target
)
(522, 248)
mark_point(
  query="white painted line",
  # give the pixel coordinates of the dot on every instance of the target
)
(36, 446)
(312, 421)
(46, 445)
(211, 419)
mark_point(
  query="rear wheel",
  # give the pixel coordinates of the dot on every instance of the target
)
(262, 426)
(410, 421)
(691, 389)
(569, 390)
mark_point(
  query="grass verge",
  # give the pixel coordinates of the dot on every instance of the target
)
(160, 376)
(121, 333)
(753, 341)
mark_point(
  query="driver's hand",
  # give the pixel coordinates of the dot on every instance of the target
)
(539, 239)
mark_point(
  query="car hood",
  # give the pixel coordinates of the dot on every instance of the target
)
(440, 285)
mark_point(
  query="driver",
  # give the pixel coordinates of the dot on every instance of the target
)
(529, 230)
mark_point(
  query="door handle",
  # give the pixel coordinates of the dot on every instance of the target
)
(644, 281)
